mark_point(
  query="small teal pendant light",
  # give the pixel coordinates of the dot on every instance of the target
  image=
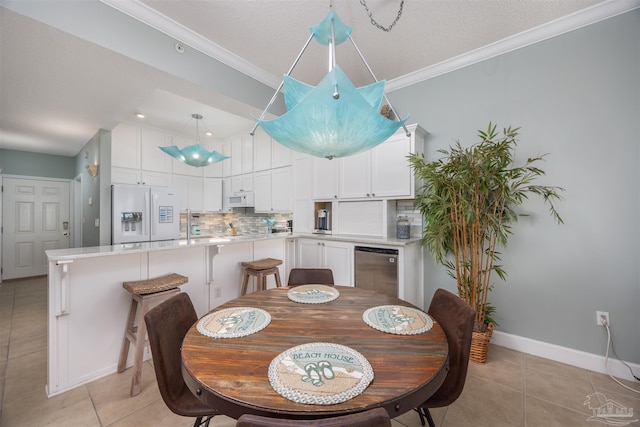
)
(195, 155)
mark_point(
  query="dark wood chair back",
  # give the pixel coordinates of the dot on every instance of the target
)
(304, 276)
(167, 325)
(376, 417)
(456, 318)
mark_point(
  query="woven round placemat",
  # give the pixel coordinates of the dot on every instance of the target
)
(320, 373)
(313, 294)
(397, 319)
(233, 322)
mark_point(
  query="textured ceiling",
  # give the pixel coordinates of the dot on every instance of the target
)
(57, 90)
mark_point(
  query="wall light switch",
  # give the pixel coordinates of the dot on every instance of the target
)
(97, 222)
(90, 201)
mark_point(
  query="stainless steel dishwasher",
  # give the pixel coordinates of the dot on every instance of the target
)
(377, 269)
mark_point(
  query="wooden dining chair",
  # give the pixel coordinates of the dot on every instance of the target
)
(167, 324)
(376, 417)
(304, 276)
(456, 318)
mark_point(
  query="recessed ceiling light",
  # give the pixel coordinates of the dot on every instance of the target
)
(140, 115)
(209, 133)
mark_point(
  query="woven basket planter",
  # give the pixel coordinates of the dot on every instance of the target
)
(480, 344)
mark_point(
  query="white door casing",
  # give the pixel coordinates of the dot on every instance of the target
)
(35, 219)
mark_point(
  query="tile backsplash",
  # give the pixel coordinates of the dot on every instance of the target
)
(248, 222)
(405, 208)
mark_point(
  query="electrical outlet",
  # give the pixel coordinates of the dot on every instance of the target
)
(217, 292)
(602, 316)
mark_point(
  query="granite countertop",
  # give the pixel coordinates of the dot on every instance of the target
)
(130, 248)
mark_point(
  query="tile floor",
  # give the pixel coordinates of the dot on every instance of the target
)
(511, 389)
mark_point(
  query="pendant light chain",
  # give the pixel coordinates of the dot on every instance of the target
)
(375, 23)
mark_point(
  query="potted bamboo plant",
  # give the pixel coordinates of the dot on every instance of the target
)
(467, 201)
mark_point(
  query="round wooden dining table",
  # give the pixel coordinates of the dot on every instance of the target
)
(231, 374)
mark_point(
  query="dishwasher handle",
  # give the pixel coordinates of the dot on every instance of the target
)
(385, 251)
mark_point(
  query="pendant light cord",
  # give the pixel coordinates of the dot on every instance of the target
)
(375, 23)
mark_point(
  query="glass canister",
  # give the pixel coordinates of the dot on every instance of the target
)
(403, 227)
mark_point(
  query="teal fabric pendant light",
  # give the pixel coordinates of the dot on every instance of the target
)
(334, 118)
(195, 155)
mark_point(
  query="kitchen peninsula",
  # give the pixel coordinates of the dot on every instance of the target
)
(88, 306)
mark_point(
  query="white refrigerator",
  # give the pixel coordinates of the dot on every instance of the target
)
(144, 214)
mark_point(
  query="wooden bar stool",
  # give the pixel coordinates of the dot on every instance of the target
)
(147, 294)
(260, 269)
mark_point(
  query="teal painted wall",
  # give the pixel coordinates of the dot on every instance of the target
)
(576, 97)
(25, 163)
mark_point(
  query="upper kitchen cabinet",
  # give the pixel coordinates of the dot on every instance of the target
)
(325, 178)
(382, 172)
(125, 146)
(269, 154)
(273, 190)
(391, 174)
(136, 157)
(215, 170)
(153, 158)
(191, 190)
(241, 154)
(212, 200)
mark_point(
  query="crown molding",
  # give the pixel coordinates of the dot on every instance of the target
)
(582, 18)
(154, 19)
(554, 28)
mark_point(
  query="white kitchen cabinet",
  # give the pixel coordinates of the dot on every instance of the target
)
(241, 154)
(261, 150)
(226, 190)
(88, 308)
(215, 170)
(126, 176)
(391, 174)
(227, 271)
(303, 194)
(290, 258)
(273, 190)
(173, 261)
(212, 195)
(125, 146)
(138, 177)
(152, 157)
(338, 256)
(384, 171)
(268, 153)
(242, 183)
(226, 164)
(136, 158)
(355, 176)
(281, 156)
(191, 190)
(262, 193)
(325, 178)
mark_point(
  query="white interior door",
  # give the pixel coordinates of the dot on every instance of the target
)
(35, 219)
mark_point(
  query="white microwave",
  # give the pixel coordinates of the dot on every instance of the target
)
(241, 199)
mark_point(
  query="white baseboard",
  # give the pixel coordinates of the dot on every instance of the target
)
(581, 359)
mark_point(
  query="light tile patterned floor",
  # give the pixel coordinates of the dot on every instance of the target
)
(511, 389)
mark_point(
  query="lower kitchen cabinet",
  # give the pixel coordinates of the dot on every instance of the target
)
(227, 272)
(338, 256)
(226, 275)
